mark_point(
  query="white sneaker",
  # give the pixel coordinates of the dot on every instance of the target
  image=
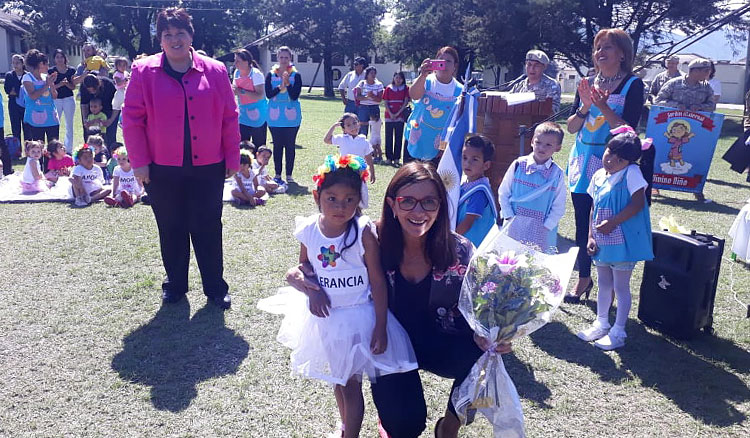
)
(596, 331)
(86, 198)
(611, 341)
(80, 202)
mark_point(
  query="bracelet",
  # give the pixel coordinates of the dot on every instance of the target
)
(582, 115)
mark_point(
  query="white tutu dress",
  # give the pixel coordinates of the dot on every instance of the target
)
(336, 348)
(740, 233)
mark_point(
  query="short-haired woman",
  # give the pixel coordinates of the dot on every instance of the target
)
(613, 97)
(180, 126)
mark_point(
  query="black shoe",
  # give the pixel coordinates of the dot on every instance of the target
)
(224, 302)
(168, 297)
(576, 299)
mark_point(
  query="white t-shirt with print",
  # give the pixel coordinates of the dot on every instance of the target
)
(246, 181)
(128, 182)
(374, 88)
(349, 81)
(352, 145)
(92, 179)
(445, 90)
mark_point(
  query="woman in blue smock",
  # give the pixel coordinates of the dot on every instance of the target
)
(434, 93)
(612, 98)
(249, 87)
(283, 87)
(40, 113)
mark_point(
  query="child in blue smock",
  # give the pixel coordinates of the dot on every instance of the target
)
(532, 193)
(619, 233)
(476, 205)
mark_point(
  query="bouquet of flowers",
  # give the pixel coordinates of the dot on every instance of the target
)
(510, 290)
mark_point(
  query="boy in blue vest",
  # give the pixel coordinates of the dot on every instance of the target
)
(532, 192)
(476, 205)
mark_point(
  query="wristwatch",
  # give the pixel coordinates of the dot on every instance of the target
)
(582, 115)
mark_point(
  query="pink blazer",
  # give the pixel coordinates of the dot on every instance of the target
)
(153, 115)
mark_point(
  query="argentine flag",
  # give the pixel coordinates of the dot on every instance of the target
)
(461, 121)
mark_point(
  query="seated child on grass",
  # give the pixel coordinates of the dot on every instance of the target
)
(88, 180)
(60, 163)
(33, 180)
(260, 168)
(126, 188)
(246, 188)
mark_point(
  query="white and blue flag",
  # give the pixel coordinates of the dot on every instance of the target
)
(461, 121)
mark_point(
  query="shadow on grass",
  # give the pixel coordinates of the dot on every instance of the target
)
(725, 183)
(295, 189)
(693, 205)
(699, 388)
(172, 353)
(524, 378)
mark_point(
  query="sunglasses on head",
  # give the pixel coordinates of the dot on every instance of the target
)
(408, 203)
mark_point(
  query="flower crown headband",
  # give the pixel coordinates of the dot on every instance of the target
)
(334, 162)
(627, 129)
(85, 147)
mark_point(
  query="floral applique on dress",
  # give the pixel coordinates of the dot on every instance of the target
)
(328, 256)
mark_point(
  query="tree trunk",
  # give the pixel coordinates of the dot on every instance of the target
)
(327, 73)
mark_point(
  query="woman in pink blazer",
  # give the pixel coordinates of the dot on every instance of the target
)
(181, 129)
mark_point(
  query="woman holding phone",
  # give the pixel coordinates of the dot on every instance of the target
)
(434, 92)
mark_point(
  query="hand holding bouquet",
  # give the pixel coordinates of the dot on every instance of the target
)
(509, 291)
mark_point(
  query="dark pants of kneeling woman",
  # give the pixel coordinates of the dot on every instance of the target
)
(187, 205)
(399, 397)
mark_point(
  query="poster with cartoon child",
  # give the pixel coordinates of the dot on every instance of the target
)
(685, 142)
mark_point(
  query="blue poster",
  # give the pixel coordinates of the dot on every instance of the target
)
(685, 142)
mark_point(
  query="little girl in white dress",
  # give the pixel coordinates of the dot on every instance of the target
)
(344, 330)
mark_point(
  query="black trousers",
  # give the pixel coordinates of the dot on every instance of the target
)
(17, 126)
(256, 135)
(582, 208)
(5, 154)
(42, 132)
(284, 141)
(399, 397)
(647, 169)
(394, 138)
(187, 205)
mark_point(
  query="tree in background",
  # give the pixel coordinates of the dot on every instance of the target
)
(54, 23)
(501, 31)
(328, 28)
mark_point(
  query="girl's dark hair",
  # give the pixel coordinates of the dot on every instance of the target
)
(351, 179)
(59, 52)
(713, 70)
(34, 57)
(246, 56)
(371, 69)
(246, 159)
(248, 145)
(53, 146)
(175, 17)
(440, 246)
(403, 78)
(348, 116)
(626, 146)
(482, 143)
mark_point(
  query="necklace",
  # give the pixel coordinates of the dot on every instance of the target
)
(607, 81)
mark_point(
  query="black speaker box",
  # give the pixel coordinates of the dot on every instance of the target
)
(679, 284)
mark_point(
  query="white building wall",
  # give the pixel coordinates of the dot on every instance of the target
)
(6, 49)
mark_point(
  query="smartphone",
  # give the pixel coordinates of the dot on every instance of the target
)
(437, 64)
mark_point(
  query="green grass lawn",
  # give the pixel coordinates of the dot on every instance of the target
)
(85, 349)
